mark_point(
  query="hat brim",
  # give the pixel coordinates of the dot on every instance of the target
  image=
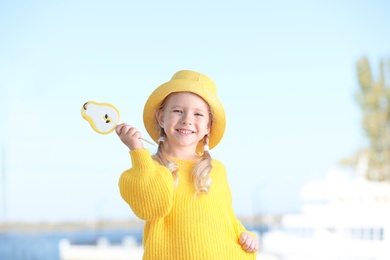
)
(184, 85)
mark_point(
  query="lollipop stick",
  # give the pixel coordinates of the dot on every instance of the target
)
(143, 139)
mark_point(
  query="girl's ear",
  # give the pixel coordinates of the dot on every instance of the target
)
(159, 118)
(209, 127)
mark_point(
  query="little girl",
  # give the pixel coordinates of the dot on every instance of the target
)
(181, 192)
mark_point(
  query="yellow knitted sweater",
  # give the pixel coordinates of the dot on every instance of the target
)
(178, 226)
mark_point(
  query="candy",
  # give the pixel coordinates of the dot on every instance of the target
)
(103, 117)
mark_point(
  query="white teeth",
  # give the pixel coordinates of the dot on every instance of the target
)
(185, 131)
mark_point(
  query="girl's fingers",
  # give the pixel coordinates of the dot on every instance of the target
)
(248, 243)
(119, 128)
(123, 129)
(243, 238)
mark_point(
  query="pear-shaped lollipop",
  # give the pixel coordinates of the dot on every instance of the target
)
(103, 117)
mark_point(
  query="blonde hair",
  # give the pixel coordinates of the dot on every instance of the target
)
(201, 172)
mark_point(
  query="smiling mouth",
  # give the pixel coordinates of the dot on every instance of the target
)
(183, 131)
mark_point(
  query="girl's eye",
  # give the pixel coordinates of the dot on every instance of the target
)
(198, 114)
(177, 111)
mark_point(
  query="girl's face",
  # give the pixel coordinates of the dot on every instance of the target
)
(185, 119)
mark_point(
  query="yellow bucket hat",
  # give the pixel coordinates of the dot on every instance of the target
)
(187, 81)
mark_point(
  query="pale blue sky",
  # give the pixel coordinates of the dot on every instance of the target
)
(285, 71)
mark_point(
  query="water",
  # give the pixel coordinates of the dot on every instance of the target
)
(44, 246)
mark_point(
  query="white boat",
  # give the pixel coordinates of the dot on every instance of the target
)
(341, 218)
(129, 249)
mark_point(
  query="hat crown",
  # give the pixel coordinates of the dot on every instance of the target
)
(205, 81)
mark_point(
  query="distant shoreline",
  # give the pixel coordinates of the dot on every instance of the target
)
(41, 227)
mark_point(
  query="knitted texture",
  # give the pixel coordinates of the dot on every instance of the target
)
(179, 226)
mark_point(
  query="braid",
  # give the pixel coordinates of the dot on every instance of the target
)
(162, 157)
(201, 172)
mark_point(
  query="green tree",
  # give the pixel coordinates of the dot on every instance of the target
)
(373, 97)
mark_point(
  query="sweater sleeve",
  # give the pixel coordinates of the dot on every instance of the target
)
(147, 187)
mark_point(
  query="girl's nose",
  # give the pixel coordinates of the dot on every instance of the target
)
(186, 120)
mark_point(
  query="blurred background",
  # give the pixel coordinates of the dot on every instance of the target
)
(304, 85)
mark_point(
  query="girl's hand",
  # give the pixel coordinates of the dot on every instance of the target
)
(248, 243)
(130, 136)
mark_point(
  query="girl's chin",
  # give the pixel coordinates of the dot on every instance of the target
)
(184, 144)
